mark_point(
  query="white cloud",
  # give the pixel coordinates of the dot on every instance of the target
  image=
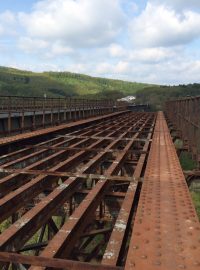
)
(1, 29)
(104, 68)
(174, 71)
(43, 48)
(177, 71)
(122, 67)
(110, 69)
(180, 4)
(35, 67)
(80, 23)
(152, 55)
(7, 17)
(7, 23)
(144, 55)
(60, 49)
(160, 26)
(116, 50)
(95, 37)
(30, 45)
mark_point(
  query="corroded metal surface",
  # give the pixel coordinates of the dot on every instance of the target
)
(22, 114)
(84, 198)
(18, 104)
(166, 232)
(184, 114)
(53, 263)
(84, 177)
(50, 130)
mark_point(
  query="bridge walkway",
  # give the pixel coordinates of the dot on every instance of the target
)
(166, 233)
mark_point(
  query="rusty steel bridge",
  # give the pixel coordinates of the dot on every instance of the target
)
(103, 192)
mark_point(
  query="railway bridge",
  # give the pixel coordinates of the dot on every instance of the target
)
(105, 192)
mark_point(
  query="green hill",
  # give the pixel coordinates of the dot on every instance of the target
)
(63, 84)
(158, 96)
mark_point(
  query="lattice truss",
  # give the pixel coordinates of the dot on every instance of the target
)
(68, 198)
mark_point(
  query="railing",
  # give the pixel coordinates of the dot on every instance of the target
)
(19, 114)
(185, 116)
(14, 103)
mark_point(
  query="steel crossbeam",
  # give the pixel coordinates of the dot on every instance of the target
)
(74, 197)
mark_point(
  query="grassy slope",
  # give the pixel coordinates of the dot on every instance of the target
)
(157, 96)
(18, 82)
(85, 85)
(61, 84)
(196, 199)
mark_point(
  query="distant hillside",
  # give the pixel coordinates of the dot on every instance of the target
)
(158, 96)
(66, 84)
(63, 84)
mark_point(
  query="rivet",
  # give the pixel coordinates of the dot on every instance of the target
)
(181, 266)
(196, 263)
(158, 254)
(157, 263)
(158, 239)
(144, 256)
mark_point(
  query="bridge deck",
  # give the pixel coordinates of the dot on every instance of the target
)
(84, 176)
(166, 233)
(91, 178)
(53, 130)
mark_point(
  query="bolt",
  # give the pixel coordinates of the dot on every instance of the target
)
(157, 263)
(144, 256)
(182, 266)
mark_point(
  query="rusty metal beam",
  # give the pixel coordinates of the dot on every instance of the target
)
(62, 244)
(136, 151)
(74, 164)
(115, 249)
(166, 228)
(109, 194)
(184, 115)
(111, 138)
(51, 263)
(53, 130)
(6, 183)
(10, 182)
(51, 204)
(70, 174)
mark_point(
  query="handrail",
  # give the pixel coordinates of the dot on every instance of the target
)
(16, 103)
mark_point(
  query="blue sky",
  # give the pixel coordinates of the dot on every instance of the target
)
(155, 41)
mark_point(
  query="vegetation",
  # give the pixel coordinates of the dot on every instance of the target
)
(63, 84)
(186, 161)
(188, 164)
(4, 225)
(196, 199)
(159, 95)
(66, 84)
